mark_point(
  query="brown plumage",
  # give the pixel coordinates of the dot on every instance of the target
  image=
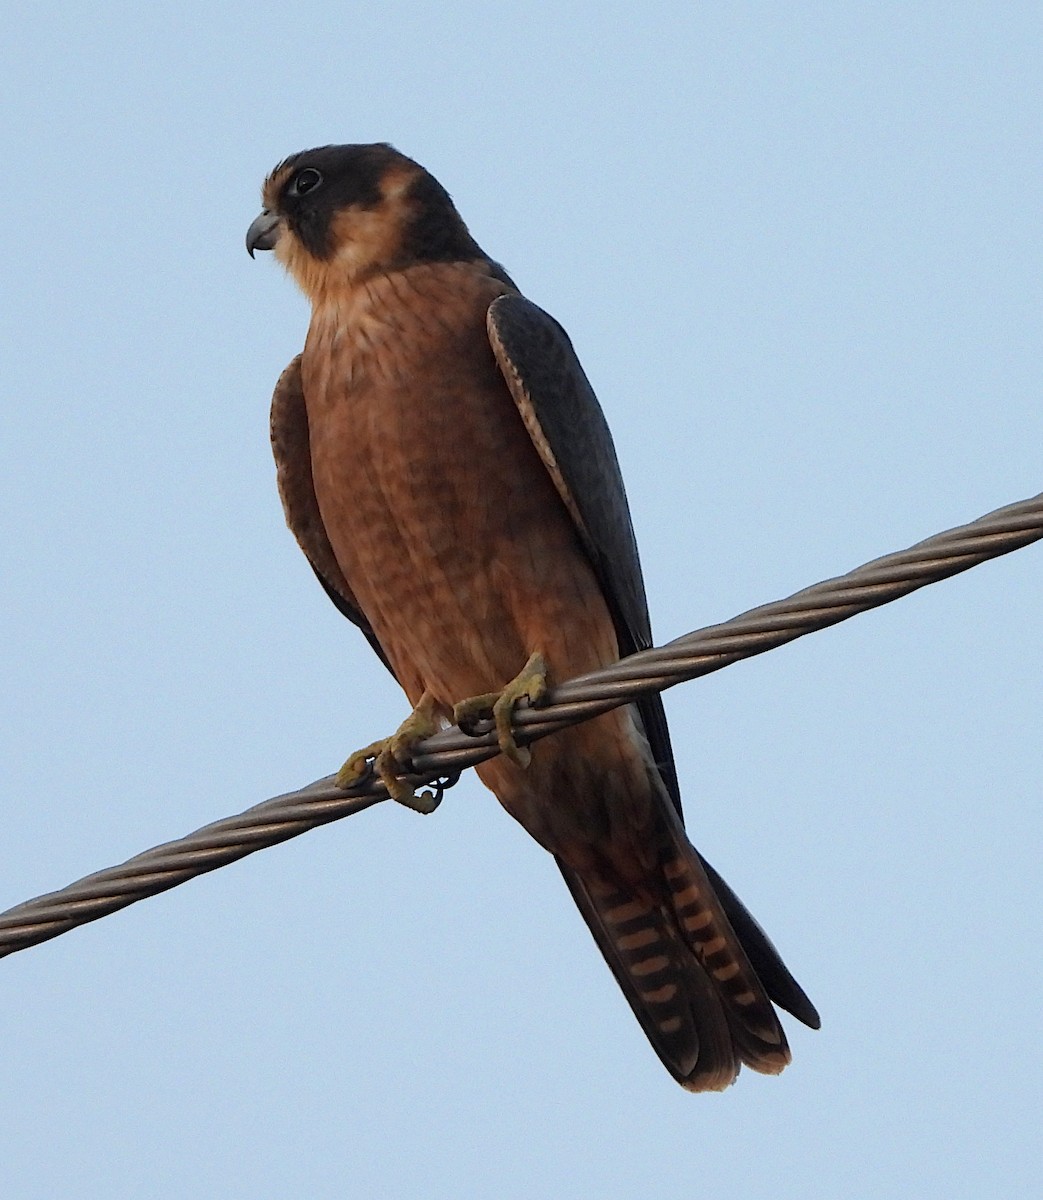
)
(446, 470)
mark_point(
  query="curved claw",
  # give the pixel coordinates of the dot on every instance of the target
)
(391, 758)
(529, 684)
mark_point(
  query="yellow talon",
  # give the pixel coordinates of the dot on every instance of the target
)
(529, 684)
(391, 757)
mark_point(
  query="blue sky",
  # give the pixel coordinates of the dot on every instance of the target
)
(798, 250)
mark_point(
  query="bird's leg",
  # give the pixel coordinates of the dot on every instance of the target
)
(529, 684)
(391, 757)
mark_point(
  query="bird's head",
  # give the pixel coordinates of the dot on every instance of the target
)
(337, 215)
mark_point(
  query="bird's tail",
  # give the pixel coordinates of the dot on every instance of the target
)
(688, 971)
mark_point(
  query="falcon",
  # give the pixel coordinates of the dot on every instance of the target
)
(447, 471)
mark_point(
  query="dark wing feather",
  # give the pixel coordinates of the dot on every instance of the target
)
(292, 451)
(569, 430)
(566, 424)
(570, 433)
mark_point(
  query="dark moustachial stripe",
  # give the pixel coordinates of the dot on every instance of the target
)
(351, 177)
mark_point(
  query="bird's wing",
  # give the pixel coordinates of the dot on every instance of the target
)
(570, 433)
(290, 445)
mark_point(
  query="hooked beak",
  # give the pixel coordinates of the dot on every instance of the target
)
(263, 232)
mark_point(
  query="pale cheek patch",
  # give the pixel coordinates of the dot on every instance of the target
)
(368, 239)
(310, 275)
(363, 238)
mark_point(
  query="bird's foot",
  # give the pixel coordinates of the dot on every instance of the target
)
(529, 684)
(390, 758)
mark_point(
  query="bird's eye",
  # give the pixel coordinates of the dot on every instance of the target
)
(307, 181)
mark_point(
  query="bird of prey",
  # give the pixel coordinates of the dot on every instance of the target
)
(447, 471)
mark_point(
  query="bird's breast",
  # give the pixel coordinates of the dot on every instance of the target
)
(441, 514)
(439, 511)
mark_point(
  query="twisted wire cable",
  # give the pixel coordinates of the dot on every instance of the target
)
(439, 760)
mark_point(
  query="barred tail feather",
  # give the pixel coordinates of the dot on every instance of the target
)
(756, 1029)
(685, 971)
(780, 985)
(671, 995)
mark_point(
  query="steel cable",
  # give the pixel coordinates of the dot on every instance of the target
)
(444, 756)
